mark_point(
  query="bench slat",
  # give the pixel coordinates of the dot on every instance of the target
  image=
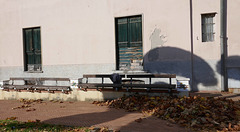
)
(86, 85)
(89, 85)
(99, 75)
(149, 85)
(131, 75)
(152, 76)
(20, 78)
(54, 79)
(37, 87)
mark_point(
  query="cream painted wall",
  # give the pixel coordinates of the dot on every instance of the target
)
(72, 32)
(79, 35)
(10, 36)
(211, 50)
(167, 16)
(83, 32)
(233, 29)
(206, 50)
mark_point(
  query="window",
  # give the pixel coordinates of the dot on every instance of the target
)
(129, 43)
(32, 49)
(208, 27)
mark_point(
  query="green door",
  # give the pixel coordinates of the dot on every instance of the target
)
(129, 41)
(32, 44)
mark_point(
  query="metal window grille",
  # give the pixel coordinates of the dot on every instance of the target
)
(208, 32)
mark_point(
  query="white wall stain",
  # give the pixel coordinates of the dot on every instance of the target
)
(157, 38)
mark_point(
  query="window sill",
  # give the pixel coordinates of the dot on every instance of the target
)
(33, 71)
(208, 41)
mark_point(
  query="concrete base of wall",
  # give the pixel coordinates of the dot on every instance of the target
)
(75, 95)
(66, 71)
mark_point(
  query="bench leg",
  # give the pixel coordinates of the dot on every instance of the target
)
(148, 89)
(84, 89)
(6, 90)
(170, 92)
(50, 91)
(39, 91)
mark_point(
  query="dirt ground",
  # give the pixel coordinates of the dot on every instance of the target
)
(88, 114)
(84, 114)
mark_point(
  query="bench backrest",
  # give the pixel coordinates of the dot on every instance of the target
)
(40, 79)
(99, 75)
(131, 76)
(54, 79)
(21, 78)
(152, 76)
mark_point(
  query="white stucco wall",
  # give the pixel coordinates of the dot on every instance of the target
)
(78, 36)
(233, 27)
(71, 31)
(82, 32)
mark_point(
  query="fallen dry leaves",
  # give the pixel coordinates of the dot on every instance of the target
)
(198, 113)
(27, 104)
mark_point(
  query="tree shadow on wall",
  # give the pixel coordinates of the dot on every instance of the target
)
(178, 61)
(233, 68)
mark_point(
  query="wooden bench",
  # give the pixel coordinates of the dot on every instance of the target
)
(149, 86)
(37, 84)
(88, 85)
(130, 85)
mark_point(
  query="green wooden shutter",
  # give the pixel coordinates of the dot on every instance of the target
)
(122, 44)
(37, 45)
(135, 31)
(29, 47)
(32, 42)
(129, 41)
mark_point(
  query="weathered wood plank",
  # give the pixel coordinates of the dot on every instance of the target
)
(21, 78)
(151, 76)
(99, 75)
(54, 79)
(36, 86)
(94, 85)
(149, 85)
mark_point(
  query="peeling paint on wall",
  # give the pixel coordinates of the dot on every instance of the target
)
(157, 39)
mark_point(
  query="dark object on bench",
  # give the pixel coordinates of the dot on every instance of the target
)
(116, 79)
(36, 84)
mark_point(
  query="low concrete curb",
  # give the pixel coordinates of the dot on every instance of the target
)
(75, 95)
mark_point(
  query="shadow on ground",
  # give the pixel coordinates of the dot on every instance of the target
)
(117, 120)
(89, 119)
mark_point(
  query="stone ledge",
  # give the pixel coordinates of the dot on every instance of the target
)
(75, 95)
